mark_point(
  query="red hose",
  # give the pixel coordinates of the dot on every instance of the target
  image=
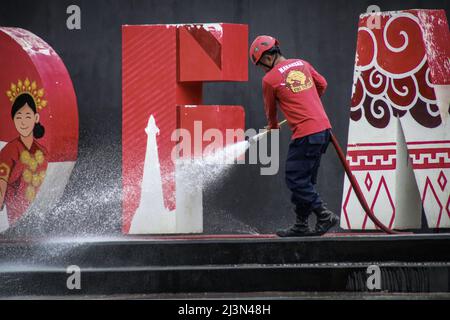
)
(357, 189)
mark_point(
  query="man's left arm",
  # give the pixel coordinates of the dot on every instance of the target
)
(319, 80)
(270, 105)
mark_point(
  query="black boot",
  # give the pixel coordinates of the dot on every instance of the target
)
(326, 219)
(299, 229)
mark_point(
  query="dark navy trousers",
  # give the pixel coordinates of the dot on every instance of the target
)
(302, 166)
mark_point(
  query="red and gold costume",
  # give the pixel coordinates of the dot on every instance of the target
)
(24, 171)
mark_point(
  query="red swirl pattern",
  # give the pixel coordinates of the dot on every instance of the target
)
(392, 73)
(402, 92)
(400, 32)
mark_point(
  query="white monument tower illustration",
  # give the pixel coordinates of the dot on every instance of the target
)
(152, 216)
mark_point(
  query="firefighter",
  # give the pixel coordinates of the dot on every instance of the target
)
(296, 87)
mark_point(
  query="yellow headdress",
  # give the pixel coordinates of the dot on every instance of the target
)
(27, 87)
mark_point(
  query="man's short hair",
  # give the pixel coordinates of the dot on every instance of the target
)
(272, 51)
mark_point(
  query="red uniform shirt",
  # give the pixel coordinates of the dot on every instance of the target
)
(297, 88)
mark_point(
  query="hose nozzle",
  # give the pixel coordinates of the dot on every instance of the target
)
(256, 137)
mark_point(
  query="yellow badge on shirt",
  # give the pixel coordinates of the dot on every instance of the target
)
(297, 81)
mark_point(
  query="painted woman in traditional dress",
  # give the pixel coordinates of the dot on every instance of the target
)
(23, 160)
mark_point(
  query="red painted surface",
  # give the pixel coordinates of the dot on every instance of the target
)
(222, 118)
(437, 41)
(209, 54)
(156, 81)
(150, 87)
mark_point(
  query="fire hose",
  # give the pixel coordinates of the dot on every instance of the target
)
(351, 177)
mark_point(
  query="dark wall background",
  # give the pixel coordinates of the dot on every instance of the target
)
(320, 31)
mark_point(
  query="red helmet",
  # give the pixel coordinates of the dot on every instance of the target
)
(260, 45)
